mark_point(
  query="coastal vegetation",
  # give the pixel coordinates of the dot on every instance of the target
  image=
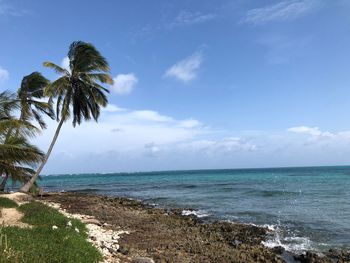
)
(47, 239)
(7, 203)
(77, 93)
(17, 154)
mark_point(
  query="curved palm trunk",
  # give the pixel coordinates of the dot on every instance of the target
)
(3, 183)
(25, 188)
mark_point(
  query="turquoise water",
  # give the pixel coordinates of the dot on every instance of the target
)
(309, 208)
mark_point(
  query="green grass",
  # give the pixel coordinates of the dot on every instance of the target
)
(38, 214)
(43, 244)
(7, 203)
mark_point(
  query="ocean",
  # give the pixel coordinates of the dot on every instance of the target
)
(308, 208)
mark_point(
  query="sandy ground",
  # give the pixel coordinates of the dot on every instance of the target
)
(10, 216)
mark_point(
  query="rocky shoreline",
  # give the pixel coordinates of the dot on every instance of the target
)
(146, 234)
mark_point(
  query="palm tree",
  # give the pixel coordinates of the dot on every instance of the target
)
(78, 91)
(17, 156)
(8, 123)
(29, 99)
(16, 153)
(30, 95)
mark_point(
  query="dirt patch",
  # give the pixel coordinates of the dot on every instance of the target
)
(11, 217)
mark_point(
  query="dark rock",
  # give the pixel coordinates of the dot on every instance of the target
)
(93, 238)
(278, 250)
(311, 257)
(339, 255)
(123, 250)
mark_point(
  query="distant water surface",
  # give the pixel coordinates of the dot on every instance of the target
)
(309, 208)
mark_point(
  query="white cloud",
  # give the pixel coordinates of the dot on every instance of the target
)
(112, 108)
(182, 19)
(139, 127)
(150, 115)
(186, 70)
(237, 144)
(65, 63)
(190, 123)
(4, 74)
(313, 131)
(124, 83)
(285, 10)
(220, 146)
(124, 141)
(186, 18)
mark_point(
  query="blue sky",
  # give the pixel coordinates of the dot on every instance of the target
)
(198, 84)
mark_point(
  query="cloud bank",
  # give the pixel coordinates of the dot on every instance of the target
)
(147, 140)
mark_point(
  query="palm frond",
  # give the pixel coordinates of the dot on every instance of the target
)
(84, 57)
(30, 95)
(56, 68)
(101, 77)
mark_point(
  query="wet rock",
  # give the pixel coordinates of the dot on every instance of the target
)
(311, 257)
(278, 250)
(339, 255)
(335, 253)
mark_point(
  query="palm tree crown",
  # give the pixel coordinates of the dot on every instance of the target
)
(79, 89)
(30, 95)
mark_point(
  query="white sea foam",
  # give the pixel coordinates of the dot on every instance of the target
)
(197, 213)
(270, 227)
(293, 244)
